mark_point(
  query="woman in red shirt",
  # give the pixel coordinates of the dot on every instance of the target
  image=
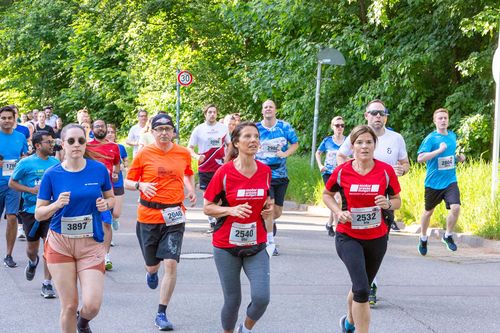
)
(241, 187)
(368, 187)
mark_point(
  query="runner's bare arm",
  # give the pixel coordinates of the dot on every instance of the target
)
(291, 149)
(44, 209)
(22, 188)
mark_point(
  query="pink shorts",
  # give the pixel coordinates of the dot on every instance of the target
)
(86, 253)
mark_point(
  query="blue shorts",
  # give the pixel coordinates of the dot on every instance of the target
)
(9, 199)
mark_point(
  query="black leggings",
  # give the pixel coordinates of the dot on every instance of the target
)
(362, 259)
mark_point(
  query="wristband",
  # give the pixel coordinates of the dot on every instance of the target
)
(389, 203)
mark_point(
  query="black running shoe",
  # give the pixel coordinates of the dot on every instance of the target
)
(82, 329)
(48, 291)
(449, 242)
(9, 262)
(372, 297)
(30, 270)
(394, 227)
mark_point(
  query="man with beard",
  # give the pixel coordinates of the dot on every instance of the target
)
(108, 153)
(26, 179)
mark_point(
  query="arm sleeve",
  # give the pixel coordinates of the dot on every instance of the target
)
(192, 139)
(291, 136)
(425, 146)
(322, 146)
(19, 171)
(402, 151)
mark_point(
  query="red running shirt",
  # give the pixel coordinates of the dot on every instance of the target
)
(233, 188)
(359, 191)
(108, 153)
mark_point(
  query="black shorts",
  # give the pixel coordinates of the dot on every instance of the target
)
(118, 190)
(450, 195)
(278, 189)
(158, 242)
(325, 177)
(205, 178)
(33, 235)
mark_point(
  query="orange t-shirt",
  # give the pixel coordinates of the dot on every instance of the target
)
(167, 169)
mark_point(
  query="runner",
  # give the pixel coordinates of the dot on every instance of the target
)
(438, 150)
(160, 171)
(330, 145)
(73, 195)
(211, 138)
(240, 236)
(391, 149)
(13, 146)
(50, 116)
(278, 141)
(367, 186)
(26, 179)
(118, 186)
(107, 153)
(135, 131)
(41, 125)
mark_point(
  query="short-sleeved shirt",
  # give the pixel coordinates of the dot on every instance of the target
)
(233, 188)
(211, 141)
(390, 148)
(29, 172)
(47, 129)
(441, 170)
(330, 148)
(167, 170)
(23, 130)
(12, 147)
(271, 141)
(105, 152)
(51, 121)
(123, 155)
(133, 135)
(359, 191)
(86, 186)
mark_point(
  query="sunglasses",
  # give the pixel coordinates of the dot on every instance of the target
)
(339, 125)
(377, 112)
(71, 141)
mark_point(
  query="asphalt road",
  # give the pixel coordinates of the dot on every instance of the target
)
(442, 292)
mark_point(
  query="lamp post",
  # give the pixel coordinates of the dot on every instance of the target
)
(496, 132)
(327, 56)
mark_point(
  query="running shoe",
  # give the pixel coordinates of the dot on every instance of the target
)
(108, 265)
(394, 227)
(112, 243)
(276, 252)
(450, 244)
(152, 280)
(82, 329)
(372, 296)
(240, 329)
(331, 231)
(422, 247)
(9, 262)
(115, 224)
(30, 270)
(162, 322)
(47, 291)
(20, 232)
(342, 325)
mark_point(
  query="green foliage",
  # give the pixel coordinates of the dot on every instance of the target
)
(305, 183)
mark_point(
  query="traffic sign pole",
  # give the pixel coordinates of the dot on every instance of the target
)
(178, 108)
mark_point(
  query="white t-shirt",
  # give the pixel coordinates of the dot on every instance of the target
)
(133, 135)
(390, 148)
(211, 140)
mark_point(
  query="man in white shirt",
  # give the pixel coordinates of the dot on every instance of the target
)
(135, 131)
(50, 116)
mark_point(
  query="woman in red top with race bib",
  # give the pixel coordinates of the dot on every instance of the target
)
(368, 188)
(241, 187)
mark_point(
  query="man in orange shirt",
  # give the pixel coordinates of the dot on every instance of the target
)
(160, 171)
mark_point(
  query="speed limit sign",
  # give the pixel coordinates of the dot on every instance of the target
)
(184, 78)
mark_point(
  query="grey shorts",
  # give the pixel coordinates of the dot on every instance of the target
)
(158, 242)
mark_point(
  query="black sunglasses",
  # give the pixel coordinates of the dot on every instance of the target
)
(339, 125)
(71, 141)
(377, 112)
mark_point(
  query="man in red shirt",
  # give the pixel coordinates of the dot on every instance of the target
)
(108, 153)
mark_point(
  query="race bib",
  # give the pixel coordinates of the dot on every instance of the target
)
(366, 218)
(243, 234)
(8, 167)
(37, 182)
(214, 142)
(269, 148)
(173, 215)
(77, 226)
(446, 163)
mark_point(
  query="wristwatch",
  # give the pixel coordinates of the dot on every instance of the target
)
(137, 186)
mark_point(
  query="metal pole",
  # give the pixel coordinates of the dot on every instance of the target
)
(496, 133)
(316, 113)
(178, 113)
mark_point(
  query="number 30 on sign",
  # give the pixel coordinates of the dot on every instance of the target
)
(185, 78)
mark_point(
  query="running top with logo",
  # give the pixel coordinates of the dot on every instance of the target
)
(441, 169)
(390, 148)
(105, 152)
(123, 155)
(329, 147)
(29, 172)
(85, 186)
(167, 170)
(358, 196)
(12, 147)
(271, 140)
(211, 141)
(233, 188)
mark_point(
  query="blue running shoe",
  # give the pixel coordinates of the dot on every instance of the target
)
(162, 322)
(152, 280)
(422, 247)
(342, 322)
(450, 244)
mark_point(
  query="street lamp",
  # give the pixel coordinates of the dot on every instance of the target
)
(327, 56)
